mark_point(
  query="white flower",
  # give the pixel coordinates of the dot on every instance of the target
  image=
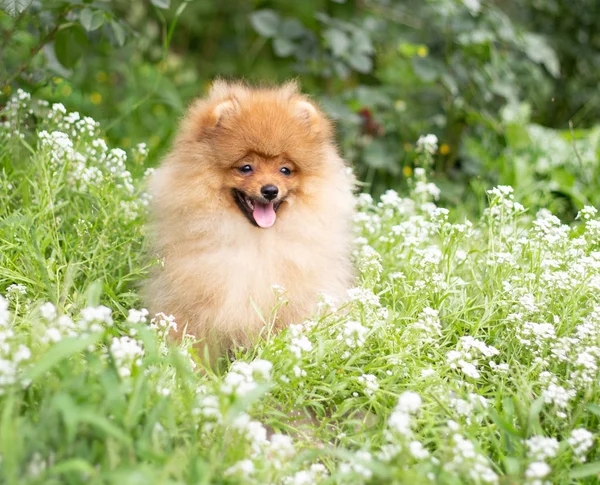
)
(137, 316)
(354, 334)
(581, 440)
(409, 402)
(4, 313)
(254, 431)
(262, 367)
(542, 447)
(427, 144)
(370, 383)
(244, 468)
(300, 344)
(15, 290)
(99, 314)
(311, 476)
(400, 422)
(127, 354)
(48, 311)
(298, 372)
(417, 450)
(538, 469)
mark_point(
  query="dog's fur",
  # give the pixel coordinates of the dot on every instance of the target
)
(219, 266)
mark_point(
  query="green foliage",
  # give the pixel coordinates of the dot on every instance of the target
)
(467, 353)
(386, 71)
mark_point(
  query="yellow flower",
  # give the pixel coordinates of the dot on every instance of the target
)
(444, 149)
(6, 90)
(407, 171)
(101, 77)
(400, 105)
(96, 97)
(422, 51)
(66, 90)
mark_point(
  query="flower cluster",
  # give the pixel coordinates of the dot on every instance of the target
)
(467, 353)
(240, 380)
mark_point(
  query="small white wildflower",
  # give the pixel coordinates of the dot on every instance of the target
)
(300, 344)
(581, 440)
(16, 289)
(137, 316)
(354, 334)
(541, 447)
(244, 468)
(127, 354)
(262, 367)
(409, 402)
(418, 450)
(370, 383)
(298, 372)
(427, 144)
(538, 469)
(48, 311)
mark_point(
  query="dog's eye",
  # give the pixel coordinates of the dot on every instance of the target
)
(285, 171)
(245, 169)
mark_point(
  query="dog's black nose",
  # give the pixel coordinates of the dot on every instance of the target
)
(269, 192)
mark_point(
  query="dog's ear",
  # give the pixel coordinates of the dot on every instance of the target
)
(305, 111)
(223, 110)
(309, 115)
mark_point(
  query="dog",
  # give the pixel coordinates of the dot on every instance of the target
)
(252, 194)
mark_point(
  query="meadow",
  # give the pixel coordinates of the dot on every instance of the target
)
(467, 353)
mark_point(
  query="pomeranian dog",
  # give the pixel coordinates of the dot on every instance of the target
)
(252, 194)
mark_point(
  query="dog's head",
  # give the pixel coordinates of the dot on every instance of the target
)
(264, 147)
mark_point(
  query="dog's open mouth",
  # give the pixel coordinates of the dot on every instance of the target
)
(259, 212)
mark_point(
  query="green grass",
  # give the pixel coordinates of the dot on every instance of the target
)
(468, 353)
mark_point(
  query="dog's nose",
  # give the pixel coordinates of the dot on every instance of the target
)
(269, 192)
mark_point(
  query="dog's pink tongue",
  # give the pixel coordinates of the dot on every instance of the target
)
(264, 214)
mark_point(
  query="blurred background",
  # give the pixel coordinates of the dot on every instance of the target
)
(511, 88)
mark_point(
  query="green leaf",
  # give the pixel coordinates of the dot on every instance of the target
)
(103, 424)
(517, 136)
(291, 29)
(91, 19)
(10, 440)
(594, 408)
(61, 351)
(69, 45)
(425, 69)
(164, 4)
(14, 7)
(361, 43)
(538, 50)
(586, 470)
(119, 32)
(337, 41)
(283, 47)
(94, 292)
(361, 63)
(265, 22)
(74, 465)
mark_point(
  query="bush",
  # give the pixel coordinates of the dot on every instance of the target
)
(385, 71)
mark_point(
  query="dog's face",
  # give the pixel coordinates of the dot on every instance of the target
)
(260, 184)
(263, 146)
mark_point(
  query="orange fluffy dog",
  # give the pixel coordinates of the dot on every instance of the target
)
(253, 194)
